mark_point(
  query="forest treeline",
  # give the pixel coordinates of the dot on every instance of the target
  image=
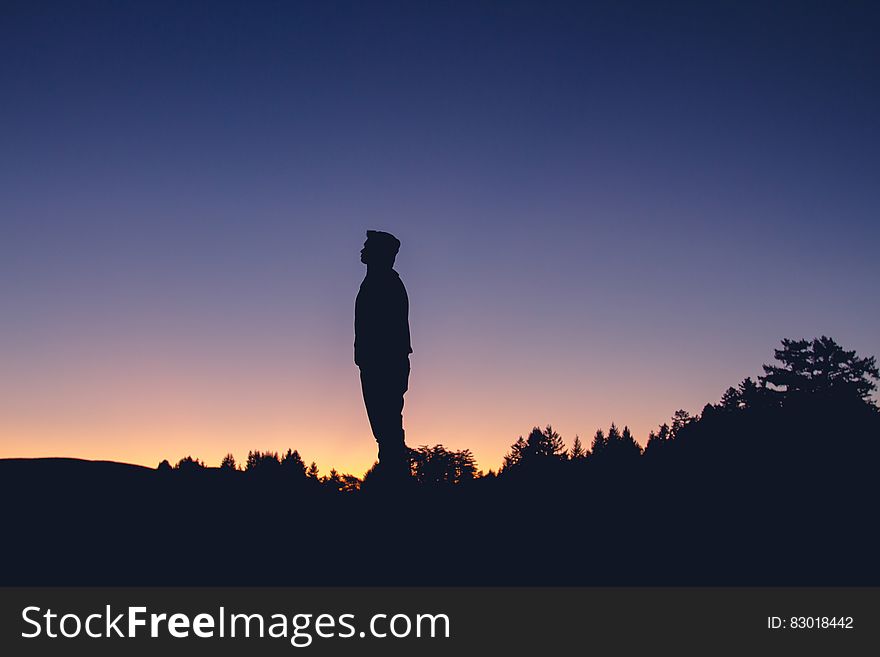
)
(817, 373)
(775, 484)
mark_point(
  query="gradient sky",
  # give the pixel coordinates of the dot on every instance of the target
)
(608, 211)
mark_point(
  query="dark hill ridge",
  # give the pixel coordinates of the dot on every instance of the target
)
(52, 466)
(746, 495)
(63, 477)
(769, 487)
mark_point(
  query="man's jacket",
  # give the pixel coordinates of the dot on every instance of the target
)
(381, 320)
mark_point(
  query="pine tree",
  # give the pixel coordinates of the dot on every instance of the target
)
(465, 466)
(577, 450)
(541, 446)
(613, 436)
(658, 441)
(821, 366)
(515, 455)
(312, 472)
(545, 443)
(730, 400)
(262, 461)
(680, 419)
(333, 480)
(752, 395)
(439, 466)
(189, 464)
(628, 445)
(350, 484)
(600, 443)
(293, 465)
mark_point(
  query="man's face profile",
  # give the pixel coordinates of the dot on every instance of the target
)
(376, 253)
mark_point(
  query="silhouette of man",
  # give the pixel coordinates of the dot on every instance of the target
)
(382, 348)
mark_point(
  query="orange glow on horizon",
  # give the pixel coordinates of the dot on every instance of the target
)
(141, 394)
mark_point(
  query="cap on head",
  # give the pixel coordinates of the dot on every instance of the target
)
(383, 242)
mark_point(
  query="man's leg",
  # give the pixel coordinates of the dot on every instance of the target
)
(372, 402)
(383, 391)
(392, 443)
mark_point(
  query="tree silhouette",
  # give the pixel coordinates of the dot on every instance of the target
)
(350, 484)
(627, 445)
(341, 483)
(600, 442)
(333, 480)
(262, 463)
(730, 400)
(439, 466)
(820, 366)
(189, 464)
(660, 440)
(617, 447)
(705, 496)
(228, 463)
(292, 465)
(680, 419)
(748, 395)
(312, 472)
(515, 454)
(541, 446)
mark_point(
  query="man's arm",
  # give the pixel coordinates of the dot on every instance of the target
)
(403, 322)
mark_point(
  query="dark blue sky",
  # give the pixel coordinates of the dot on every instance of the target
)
(608, 211)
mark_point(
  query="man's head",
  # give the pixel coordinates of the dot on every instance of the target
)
(380, 249)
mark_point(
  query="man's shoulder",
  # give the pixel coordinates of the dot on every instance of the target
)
(384, 284)
(385, 278)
